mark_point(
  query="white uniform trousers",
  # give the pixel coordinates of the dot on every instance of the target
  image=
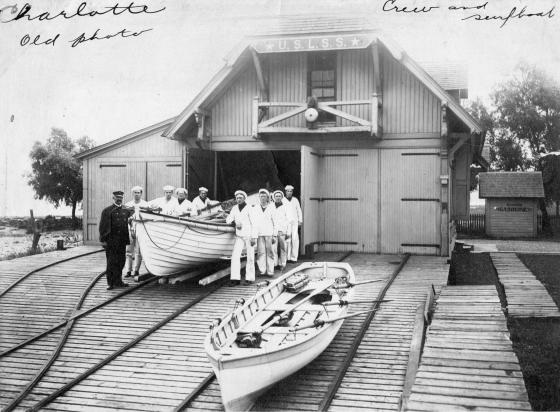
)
(133, 255)
(292, 244)
(240, 244)
(281, 251)
(265, 255)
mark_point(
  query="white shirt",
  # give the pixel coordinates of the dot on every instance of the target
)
(294, 210)
(245, 218)
(184, 208)
(199, 204)
(263, 220)
(167, 206)
(137, 205)
(280, 216)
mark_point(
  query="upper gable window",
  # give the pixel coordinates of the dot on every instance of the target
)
(321, 79)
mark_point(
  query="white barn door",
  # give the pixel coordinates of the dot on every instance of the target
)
(311, 165)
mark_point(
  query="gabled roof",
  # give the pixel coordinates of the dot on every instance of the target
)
(113, 144)
(511, 185)
(449, 75)
(314, 26)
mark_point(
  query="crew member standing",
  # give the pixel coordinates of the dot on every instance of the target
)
(280, 216)
(133, 256)
(203, 205)
(184, 207)
(295, 219)
(165, 204)
(266, 232)
(114, 236)
(245, 238)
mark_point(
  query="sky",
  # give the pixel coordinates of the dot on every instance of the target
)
(108, 88)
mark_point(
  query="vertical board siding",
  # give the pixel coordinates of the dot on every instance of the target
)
(311, 177)
(409, 221)
(354, 81)
(351, 221)
(232, 112)
(408, 105)
(287, 82)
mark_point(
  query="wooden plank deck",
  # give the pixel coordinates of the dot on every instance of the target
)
(525, 295)
(468, 361)
(375, 378)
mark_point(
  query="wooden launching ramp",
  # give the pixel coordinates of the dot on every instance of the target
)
(468, 361)
(525, 295)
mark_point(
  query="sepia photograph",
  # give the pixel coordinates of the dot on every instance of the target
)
(279, 205)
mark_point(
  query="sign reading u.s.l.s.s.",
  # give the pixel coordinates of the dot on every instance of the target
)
(312, 43)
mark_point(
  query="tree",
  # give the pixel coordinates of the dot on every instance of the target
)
(549, 165)
(480, 112)
(56, 175)
(526, 119)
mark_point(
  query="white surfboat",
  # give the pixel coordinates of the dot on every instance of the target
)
(171, 245)
(278, 331)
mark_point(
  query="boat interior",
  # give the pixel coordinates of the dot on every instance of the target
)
(271, 317)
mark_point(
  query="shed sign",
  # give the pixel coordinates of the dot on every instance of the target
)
(315, 43)
(512, 209)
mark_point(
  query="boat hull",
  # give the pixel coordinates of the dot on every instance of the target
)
(170, 246)
(245, 372)
(242, 385)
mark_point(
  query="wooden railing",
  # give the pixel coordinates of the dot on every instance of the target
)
(261, 109)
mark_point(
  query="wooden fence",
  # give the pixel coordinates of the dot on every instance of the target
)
(474, 225)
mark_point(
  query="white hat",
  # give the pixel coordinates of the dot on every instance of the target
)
(168, 187)
(289, 187)
(278, 191)
(240, 192)
(202, 189)
(137, 189)
(181, 190)
(266, 192)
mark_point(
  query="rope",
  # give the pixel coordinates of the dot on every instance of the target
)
(155, 244)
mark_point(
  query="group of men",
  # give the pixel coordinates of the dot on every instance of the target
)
(271, 226)
(117, 230)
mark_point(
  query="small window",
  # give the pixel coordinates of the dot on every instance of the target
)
(321, 80)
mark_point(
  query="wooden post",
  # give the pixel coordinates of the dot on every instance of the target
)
(36, 232)
(255, 119)
(374, 109)
(445, 187)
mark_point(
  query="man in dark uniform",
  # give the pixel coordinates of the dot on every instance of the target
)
(113, 234)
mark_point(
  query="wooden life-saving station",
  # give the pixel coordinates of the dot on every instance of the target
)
(384, 169)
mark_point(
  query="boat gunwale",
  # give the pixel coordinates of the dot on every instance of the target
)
(217, 226)
(219, 358)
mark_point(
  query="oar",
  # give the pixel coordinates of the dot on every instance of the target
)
(343, 302)
(321, 322)
(350, 284)
(321, 287)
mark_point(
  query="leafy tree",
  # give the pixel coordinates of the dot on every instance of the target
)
(56, 175)
(526, 119)
(549, 165)
(480, 112)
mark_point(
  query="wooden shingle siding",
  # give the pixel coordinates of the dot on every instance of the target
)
(287, 74)
(408, 106)
(232, 113)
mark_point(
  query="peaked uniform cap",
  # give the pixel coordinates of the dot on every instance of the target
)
(118, 193)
